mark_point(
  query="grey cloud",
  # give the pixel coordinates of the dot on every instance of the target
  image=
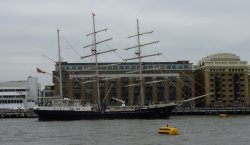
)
(187, 29)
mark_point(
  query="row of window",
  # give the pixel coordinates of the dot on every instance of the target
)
(212, 90)
(224, 101)
(216, 70)
(236, 69)
(223, 85)
(12, 90)
(229, 62)
(228, 80)
(222, 74)
(128, 67)
(19, 96)
(10, 101)
(224, 96)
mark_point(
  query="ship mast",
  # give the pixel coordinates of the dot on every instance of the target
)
(141, 98)
(96, 62)
(60, 65)
(95, 53)
(140, 64)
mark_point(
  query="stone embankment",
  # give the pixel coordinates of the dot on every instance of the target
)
(210, 111)
(10, 113)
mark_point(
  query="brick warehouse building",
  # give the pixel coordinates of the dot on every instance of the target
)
(225, 75)
(174, 81)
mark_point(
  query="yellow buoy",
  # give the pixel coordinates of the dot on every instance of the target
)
(168, 130)
(223, 115)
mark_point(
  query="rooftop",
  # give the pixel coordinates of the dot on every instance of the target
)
(221, 57)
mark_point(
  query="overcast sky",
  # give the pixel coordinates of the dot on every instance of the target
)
(186, 29)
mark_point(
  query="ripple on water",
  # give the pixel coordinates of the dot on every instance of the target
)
(194, 130)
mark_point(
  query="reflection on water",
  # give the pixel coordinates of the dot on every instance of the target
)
(194, 130)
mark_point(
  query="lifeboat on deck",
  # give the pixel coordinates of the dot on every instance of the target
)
(168, 130)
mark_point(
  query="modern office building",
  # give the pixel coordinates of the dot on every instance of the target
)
(19, 94)
(227, 76)
(162, 81)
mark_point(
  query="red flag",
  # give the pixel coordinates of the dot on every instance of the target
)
(40, 71)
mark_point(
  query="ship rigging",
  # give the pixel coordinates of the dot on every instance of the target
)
(68, 109)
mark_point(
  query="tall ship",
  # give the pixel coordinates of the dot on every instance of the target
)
(61, 108)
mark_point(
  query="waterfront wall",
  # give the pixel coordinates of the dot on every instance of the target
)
(9, 113)
(211, 111)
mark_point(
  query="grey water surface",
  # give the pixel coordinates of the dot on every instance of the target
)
(194, 130)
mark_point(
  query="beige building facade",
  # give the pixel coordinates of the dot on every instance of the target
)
(227, 76)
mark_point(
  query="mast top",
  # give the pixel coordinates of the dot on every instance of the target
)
(60, 65)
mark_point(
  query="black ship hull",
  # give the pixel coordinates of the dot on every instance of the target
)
(151, 113)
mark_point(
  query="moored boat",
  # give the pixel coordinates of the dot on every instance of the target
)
(61, 108)
(77, 112)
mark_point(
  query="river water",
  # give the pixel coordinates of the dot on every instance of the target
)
(194, 130)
